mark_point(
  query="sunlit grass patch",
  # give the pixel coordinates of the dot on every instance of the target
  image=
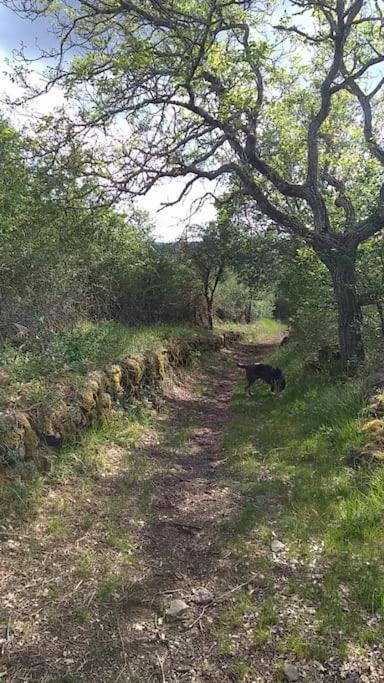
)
(289, 457)
(88, 345)
(86, 565)
(80, 463)
(254, 332)
(304, 648)
(57, 527)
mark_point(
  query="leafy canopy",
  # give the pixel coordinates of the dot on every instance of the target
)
(285, 99)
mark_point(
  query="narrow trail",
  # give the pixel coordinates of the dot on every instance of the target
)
(178, 544)
(151, 558)
(66, 618)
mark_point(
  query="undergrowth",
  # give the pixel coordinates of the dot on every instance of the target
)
(290, 458)
(84, 346)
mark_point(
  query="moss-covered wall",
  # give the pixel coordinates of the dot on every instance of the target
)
(373, 431)
(32, 433)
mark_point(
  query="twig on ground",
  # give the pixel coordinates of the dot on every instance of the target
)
(161, 665)
(219, 599)
(234, 589)
(185, 525)
(26, 409)
(72, 592)
(123, 653)
(90, 599)
(7, 636)
(199, 618)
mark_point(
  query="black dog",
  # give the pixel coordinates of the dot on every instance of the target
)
(272, 376)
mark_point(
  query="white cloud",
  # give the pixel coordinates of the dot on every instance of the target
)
(20, 115)
(171, 221)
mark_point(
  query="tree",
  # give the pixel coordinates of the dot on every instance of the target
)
(209, 249)
(306, 288)
(64, 254)
(370, 269)
(285, 106)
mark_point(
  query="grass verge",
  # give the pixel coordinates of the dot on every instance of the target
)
(288, 457)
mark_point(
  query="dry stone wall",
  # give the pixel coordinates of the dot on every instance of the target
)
(35, 431)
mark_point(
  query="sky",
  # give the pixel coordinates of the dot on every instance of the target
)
(169, 223)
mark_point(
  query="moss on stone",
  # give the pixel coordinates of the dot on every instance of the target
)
(78, 405)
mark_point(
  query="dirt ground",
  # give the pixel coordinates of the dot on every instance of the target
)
(87, 584)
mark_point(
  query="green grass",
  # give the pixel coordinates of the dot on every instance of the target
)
(93, 344)
(85, 346)
(79, 464)
(85, 566)
(33, 368)
(304, 648)
(255, 332)
(109, 586)
(288, 456)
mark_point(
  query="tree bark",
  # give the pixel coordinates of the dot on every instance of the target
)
(343, 273)
(380, 310)
(210, 312)
(248, 312)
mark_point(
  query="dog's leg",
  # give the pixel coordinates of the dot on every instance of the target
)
(250, 384)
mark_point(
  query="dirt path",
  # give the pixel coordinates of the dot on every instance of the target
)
(86, 584)
(148, 512)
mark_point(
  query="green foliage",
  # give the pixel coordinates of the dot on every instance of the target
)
(65, 256)
(233, 300)
(259, 257)
(208, 249)
(89, 345)
(307, 289)
(288, 118)
(256, 332)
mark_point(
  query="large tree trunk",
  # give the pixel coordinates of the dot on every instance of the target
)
(343, 273)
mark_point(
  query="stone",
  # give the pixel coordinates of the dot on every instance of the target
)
(277, 546)
(202, 596)
(291, 672)
(176, 609)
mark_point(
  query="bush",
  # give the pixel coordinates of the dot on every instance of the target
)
(306, 287)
